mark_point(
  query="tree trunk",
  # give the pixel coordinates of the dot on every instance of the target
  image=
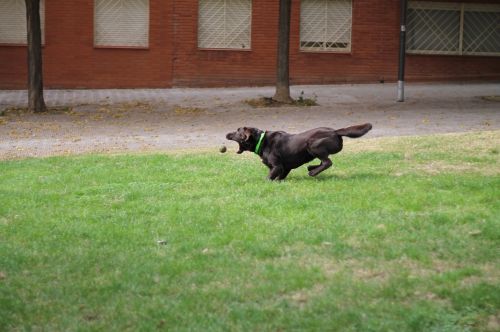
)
(282, 78)
(36, 102)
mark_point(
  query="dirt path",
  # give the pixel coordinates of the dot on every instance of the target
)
(160, 120)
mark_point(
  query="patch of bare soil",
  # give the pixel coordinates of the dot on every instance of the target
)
(202, 123)
(264, 102)
(491, 98)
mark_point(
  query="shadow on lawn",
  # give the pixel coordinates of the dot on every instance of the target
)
(337, 177)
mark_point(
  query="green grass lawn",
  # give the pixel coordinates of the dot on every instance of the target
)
(401, 234)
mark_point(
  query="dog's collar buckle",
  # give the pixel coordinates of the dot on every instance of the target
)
(259, 143)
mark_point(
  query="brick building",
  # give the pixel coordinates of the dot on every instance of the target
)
(165, 43)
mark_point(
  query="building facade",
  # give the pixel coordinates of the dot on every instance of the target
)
(206, 43)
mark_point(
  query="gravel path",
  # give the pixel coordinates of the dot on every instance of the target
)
(168, 119)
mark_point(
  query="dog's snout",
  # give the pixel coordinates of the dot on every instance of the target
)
(230, 136)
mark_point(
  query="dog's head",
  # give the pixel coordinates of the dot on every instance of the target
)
(246, 137)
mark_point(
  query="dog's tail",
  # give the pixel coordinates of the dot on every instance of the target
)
(354, 131)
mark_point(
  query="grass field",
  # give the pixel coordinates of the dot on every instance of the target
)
(402, 234)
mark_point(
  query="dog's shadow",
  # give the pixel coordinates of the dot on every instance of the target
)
(336, 177)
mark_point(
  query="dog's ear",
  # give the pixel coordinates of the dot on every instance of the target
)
(247, 132)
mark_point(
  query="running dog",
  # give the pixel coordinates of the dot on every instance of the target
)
(282, 152)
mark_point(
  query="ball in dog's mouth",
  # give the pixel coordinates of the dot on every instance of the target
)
(222, 149)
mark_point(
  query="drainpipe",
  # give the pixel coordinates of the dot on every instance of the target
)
(402, 53)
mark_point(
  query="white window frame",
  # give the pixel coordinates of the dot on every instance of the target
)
(18, 21)
(327, 35)
(99, 36)
(462, 9)
(224, 31)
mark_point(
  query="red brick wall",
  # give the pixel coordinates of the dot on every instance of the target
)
(195, 67)
(71, 61)
(422, 68)
(372, 57)
(374, 51)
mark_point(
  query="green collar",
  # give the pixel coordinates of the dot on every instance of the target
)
(259, 143)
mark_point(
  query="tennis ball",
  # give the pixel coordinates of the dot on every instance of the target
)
(223, 149)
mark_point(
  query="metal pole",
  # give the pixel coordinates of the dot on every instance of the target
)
(402, 53)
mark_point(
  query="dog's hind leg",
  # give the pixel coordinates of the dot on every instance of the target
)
(311, 167)
(325, 163)
(321, 149)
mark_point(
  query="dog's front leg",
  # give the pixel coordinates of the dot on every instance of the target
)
(275, 172)
(284, 174)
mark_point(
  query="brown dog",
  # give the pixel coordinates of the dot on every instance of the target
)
(282, 152)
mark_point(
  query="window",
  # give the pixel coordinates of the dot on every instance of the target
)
(13, 22)
(325, 25)
(224, 24)
(121, 23)
(481, 30)
(453, 28)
